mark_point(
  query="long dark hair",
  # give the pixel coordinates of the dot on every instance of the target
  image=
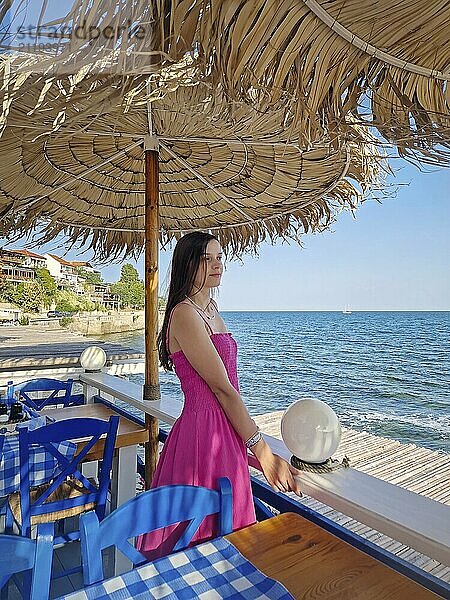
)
(185, 262)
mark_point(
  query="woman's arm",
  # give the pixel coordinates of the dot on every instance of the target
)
(188, 328)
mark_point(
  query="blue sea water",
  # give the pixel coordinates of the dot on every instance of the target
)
(387, 373)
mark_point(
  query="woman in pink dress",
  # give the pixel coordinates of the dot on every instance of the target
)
(210, 438)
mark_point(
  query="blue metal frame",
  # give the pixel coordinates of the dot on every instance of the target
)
(120, 411)
(264, 495)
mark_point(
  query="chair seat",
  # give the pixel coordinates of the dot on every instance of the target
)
(68, 489)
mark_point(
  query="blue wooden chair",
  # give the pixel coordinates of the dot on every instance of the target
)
(38, 393)
(18, 554)
(69, 492)
(151, 510)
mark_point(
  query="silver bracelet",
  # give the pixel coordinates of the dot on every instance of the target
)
(256, 437)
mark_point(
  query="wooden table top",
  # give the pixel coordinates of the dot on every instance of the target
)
(129, 432)
(313, 564)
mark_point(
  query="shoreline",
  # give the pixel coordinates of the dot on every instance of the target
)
(33, 346)
(105, 324)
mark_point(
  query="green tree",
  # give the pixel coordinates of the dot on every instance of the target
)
(128, 274)
(129, 288)
(48, 285)
(7, 291)
(100, 307)
(86, 305)
(67, 301)
(17, 293)
(32, 296)
(89, 277)
(130, 294)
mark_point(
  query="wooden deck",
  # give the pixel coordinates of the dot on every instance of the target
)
(416, 469)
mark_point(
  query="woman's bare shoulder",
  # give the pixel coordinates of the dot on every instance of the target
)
(185, 314)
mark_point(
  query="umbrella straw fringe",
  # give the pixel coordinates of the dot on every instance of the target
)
(384, 63)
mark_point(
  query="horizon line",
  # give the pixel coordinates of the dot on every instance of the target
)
(336, 310)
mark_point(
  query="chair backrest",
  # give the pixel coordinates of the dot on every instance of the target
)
(19, 554)
(48, 437)
(45, 391)
(151, 510)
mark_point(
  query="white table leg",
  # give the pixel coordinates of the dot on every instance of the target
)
(123, 487)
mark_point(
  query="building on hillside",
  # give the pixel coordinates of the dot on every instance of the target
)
(18, 266)
(100, 293)
(63, 271)
(85, 266)
(31, 259)
(9, 313)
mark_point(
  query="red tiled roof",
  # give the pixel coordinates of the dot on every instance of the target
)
(78, 263)
(24, 253)
(70, 263)
(32, 254)
(61, 260)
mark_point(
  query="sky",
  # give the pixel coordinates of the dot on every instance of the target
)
(392, 256)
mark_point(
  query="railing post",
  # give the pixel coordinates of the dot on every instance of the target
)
(89, 392)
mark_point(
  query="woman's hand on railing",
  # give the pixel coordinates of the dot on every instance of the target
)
(278, 472)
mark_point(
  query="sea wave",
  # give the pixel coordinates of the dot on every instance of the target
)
(386, 372)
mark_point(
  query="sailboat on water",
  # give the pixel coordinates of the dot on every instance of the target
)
(347, 310)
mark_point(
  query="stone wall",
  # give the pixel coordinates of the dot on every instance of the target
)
(104, 324)
(97, 324)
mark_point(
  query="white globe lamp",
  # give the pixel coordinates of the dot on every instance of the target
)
(311, 430)
(93, 358)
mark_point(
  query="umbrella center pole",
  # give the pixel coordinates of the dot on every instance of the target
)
(151, 390)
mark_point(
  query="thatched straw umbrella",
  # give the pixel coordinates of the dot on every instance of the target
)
(222, 167)
(86, 143)
(386, 63)
(90, 168)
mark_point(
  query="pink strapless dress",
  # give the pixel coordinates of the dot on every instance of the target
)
(203, 446)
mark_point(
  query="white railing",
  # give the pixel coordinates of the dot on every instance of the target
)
(412, 519)
(65, 367)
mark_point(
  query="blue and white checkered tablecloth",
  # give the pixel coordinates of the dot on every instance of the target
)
(43, 465)
(212, 570)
